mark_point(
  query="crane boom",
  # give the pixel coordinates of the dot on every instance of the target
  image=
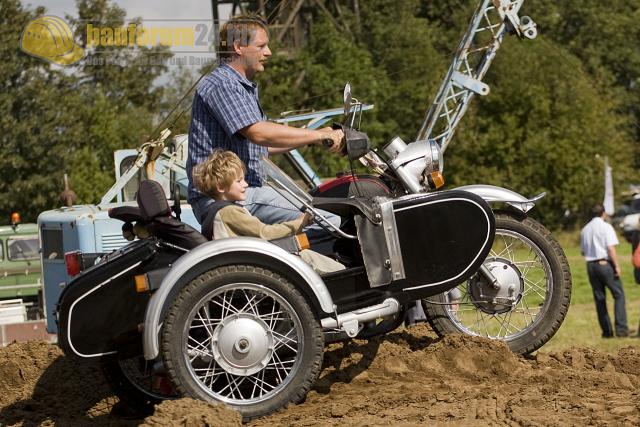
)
(491, 21)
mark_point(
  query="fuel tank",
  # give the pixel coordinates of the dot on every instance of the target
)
(348, 185)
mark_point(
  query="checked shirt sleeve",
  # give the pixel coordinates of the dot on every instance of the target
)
(232, 106)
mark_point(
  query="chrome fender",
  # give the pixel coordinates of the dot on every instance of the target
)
(208, 251)
(493, 194)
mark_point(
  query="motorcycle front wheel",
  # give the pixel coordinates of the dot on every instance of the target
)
(527, 305)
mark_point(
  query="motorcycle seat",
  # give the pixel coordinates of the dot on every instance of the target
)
(153, 211)
(346, 206)
(126, 213)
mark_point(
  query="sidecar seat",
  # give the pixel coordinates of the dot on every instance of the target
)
(154, 212)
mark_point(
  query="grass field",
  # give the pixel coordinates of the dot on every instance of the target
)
(580, 327)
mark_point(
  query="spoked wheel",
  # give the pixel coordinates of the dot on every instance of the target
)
(138, 383)
(530, 300)
(243, 336)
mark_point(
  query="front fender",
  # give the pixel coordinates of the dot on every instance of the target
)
(493, 194)
(208, 252)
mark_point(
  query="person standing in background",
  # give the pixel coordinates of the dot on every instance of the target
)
(598, 242)
(635, 241)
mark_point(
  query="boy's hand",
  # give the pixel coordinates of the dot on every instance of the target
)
(307, 219)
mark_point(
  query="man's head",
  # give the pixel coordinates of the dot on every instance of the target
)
(221, 176)
(244, 42)
(597, 211)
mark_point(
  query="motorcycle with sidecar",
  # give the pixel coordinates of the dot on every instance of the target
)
(244, 321)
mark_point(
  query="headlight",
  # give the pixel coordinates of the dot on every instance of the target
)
(416, 163)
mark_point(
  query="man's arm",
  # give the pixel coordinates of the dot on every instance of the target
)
(280, 138)
(613, 256)
(273, 150)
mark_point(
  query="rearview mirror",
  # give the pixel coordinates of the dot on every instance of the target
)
(347, 98)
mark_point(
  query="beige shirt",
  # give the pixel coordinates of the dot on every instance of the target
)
(234, 220)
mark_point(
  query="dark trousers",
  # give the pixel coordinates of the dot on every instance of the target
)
(601, 276)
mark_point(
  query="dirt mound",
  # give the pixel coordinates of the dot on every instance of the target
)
(191, 413)
(407, 379)
(39, 385)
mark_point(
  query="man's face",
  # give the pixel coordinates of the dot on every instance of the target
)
(255, 54)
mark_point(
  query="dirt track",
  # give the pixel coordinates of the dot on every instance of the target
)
(410, 378)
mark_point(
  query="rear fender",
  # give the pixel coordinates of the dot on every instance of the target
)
(237, 250)
(493, 194)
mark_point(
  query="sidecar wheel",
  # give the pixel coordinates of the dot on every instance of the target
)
(136, 383)
(243, 336)
(534, 272)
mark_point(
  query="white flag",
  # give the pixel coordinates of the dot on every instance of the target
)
(608, 188)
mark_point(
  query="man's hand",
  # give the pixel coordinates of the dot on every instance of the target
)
(336, 136)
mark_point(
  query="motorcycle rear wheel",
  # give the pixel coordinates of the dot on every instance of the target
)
(537, 271)
(136, 383)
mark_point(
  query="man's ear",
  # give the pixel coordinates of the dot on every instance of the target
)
(236, 48)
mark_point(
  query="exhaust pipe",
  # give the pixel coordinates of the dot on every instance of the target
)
(350, 322)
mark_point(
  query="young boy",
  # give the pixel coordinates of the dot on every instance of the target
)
(221, 177)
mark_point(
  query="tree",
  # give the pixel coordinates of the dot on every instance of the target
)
(66, 120)
(555, 103)
(539, 130)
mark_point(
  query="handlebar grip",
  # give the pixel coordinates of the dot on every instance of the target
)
(327, 142)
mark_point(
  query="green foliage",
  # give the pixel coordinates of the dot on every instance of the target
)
(70, 120)
(556, 103)
(540, 130)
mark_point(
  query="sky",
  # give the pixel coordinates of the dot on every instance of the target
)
(159, 13)
(155, 9)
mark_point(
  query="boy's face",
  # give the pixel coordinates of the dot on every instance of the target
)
(235, 192)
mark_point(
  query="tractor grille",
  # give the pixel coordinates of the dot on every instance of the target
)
(112, 241)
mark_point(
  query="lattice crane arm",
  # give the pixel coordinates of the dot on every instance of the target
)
(492, 20)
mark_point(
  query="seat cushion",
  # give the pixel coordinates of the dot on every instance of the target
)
(152, 200)
(125, 213)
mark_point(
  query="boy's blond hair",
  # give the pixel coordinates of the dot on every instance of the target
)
(219, 170)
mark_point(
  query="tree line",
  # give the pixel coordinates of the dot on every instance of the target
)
(558, 104)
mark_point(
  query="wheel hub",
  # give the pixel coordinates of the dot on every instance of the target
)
(502, 297)
(242, 344)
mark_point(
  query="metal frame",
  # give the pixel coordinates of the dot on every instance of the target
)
(491, 21)
(494, 194)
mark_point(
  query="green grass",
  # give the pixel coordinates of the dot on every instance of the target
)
(580, 327)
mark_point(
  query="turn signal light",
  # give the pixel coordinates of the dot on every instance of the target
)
(73, 261)
(142, 283)
(436, 179)
(15, 218)
(302, 241)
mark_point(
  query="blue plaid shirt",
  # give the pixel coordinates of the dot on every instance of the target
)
(224, 103)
